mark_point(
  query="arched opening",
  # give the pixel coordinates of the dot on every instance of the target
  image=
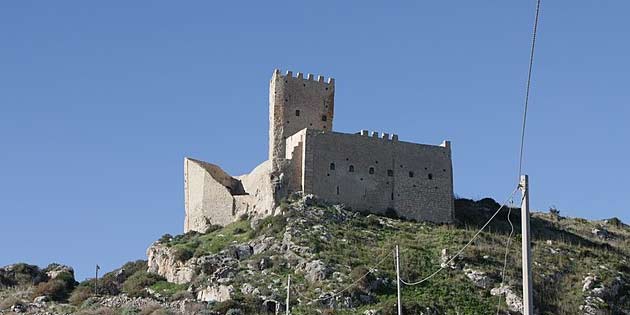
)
(430, 176)
(332, 166)
(351, 168)
(371, 170)
(410, 174)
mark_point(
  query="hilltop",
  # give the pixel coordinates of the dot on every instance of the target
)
(341, 262)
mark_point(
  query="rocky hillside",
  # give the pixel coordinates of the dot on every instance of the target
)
(341, 262)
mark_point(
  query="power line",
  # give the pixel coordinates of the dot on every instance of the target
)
(382, 258)
(507, 250)
(464, 247)
(529, 81)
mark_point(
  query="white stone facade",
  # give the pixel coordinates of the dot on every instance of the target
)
(373, 173)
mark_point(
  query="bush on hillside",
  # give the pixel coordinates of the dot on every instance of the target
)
(135, 285)
(165, 238)
(182, 254)
(80, 294)
(56, 290)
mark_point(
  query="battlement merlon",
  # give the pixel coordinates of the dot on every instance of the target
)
(300, 76)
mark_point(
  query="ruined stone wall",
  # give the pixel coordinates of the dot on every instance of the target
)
(259, 190)
(214, 197)
(208, 200)
(296, 103)
(373, 173)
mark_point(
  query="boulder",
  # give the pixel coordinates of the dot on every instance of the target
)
(513, 301)
(18, 308)
(217, 293)
(243, 251)
(162, 261)
(478, 278)
(315, 270)
(54, 270)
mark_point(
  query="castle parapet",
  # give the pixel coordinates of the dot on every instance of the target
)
(375, 134)
(309, 77)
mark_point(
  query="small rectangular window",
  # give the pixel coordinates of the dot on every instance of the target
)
(297, 112)
(324, 118)
(390, 172)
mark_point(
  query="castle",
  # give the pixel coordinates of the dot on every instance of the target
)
(365, 171)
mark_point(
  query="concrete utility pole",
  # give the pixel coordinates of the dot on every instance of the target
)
(288, 292)
(528, 305)
(398, 280)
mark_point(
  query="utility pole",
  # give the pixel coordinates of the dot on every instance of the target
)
(528, 306)
(288, 292)
(398, 280)
(96, 280)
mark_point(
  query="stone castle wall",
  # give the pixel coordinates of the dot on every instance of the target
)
(371, 173)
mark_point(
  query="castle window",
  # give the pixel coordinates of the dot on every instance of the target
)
(337, 190)
(390, 172)
(430, 176)
(392, 197)
(371, 170)
(297, 112)
(332, 166)
(410, 174)
(351, 168)
(324, 118)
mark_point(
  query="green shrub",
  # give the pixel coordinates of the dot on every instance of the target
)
(56, 290)
(135, 285)
(211, 228)
(165, 238)
(167, 289)
(6, 303)
(98, 311)
(129, 311)
(182, 254)
(80, 294)
(182, 295)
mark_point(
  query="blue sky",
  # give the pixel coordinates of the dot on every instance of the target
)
(100, 102)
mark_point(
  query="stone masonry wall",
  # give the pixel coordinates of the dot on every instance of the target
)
(296, 103)
(373, 173)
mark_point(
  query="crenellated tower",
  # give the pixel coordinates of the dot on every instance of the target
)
(296, 103)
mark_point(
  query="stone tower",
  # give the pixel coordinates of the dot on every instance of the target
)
(296, 103)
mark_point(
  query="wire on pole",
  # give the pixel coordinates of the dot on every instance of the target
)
(527, 89)
(443, 266)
